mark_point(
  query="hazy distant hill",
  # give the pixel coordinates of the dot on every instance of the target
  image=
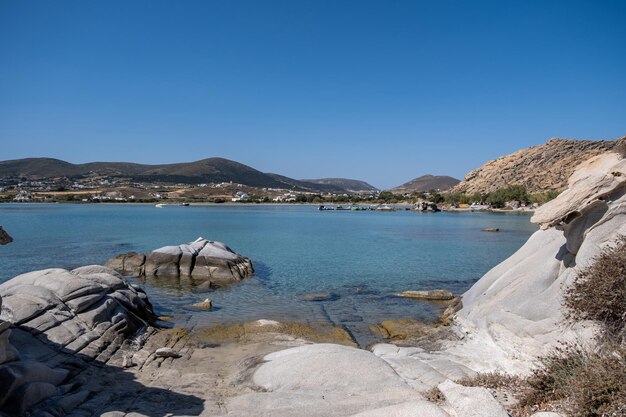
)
(355, 186)
(426, 183)
(305, 185)
(538, 168)
(214, 170)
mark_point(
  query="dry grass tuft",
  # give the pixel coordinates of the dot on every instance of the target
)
(589, 384)
(434, 395)
(493, 380)
(599, 292)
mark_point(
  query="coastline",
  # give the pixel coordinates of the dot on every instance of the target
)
(238, 204)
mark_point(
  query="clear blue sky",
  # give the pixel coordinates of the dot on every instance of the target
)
(381, 91)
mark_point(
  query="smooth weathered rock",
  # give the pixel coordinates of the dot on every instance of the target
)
(600, 179)
(322, 380)
(408, 409)
(166, 352)
(427, 295)
(87, 312)
(212, 263)
(4, 237)
(471, 401)
(402, 329)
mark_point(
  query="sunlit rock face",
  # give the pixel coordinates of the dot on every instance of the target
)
(517, 304)
(211, 263)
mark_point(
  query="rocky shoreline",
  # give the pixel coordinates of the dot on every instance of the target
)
(84, 342)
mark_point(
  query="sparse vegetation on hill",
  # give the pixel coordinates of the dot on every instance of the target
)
(425, 183)
(538, 168)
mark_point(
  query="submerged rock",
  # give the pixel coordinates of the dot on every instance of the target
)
(402, 329)
(207, 305)
(320, 296)
(211, 262)
(427, 295)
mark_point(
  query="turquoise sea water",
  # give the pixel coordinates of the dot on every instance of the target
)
(362, 257)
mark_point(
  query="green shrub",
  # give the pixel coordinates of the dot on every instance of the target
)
(493, 380)
(499, 197)
(542, 198)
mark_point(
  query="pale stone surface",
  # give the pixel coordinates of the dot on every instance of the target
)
(471, 401)
(407, 409)
(600, 178)
(166, 352)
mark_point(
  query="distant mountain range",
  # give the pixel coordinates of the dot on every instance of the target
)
(212, 170)
(354, 186)
(426, 183)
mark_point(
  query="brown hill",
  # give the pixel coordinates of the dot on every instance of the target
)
(538, 168)
(426, 183)
(209, 170)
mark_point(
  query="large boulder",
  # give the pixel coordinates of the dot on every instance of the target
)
(213, 263)
(60, 321)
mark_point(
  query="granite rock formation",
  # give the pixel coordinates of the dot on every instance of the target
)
(60, 321)
(539, 168)
(210, 262)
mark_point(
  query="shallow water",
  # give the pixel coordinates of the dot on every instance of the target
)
(362, 257)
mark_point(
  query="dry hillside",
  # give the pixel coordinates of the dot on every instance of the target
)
(538, 168)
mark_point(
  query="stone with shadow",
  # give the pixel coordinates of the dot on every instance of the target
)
(208, 264)
(63, 337)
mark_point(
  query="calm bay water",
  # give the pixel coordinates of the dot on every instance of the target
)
(362, 257)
